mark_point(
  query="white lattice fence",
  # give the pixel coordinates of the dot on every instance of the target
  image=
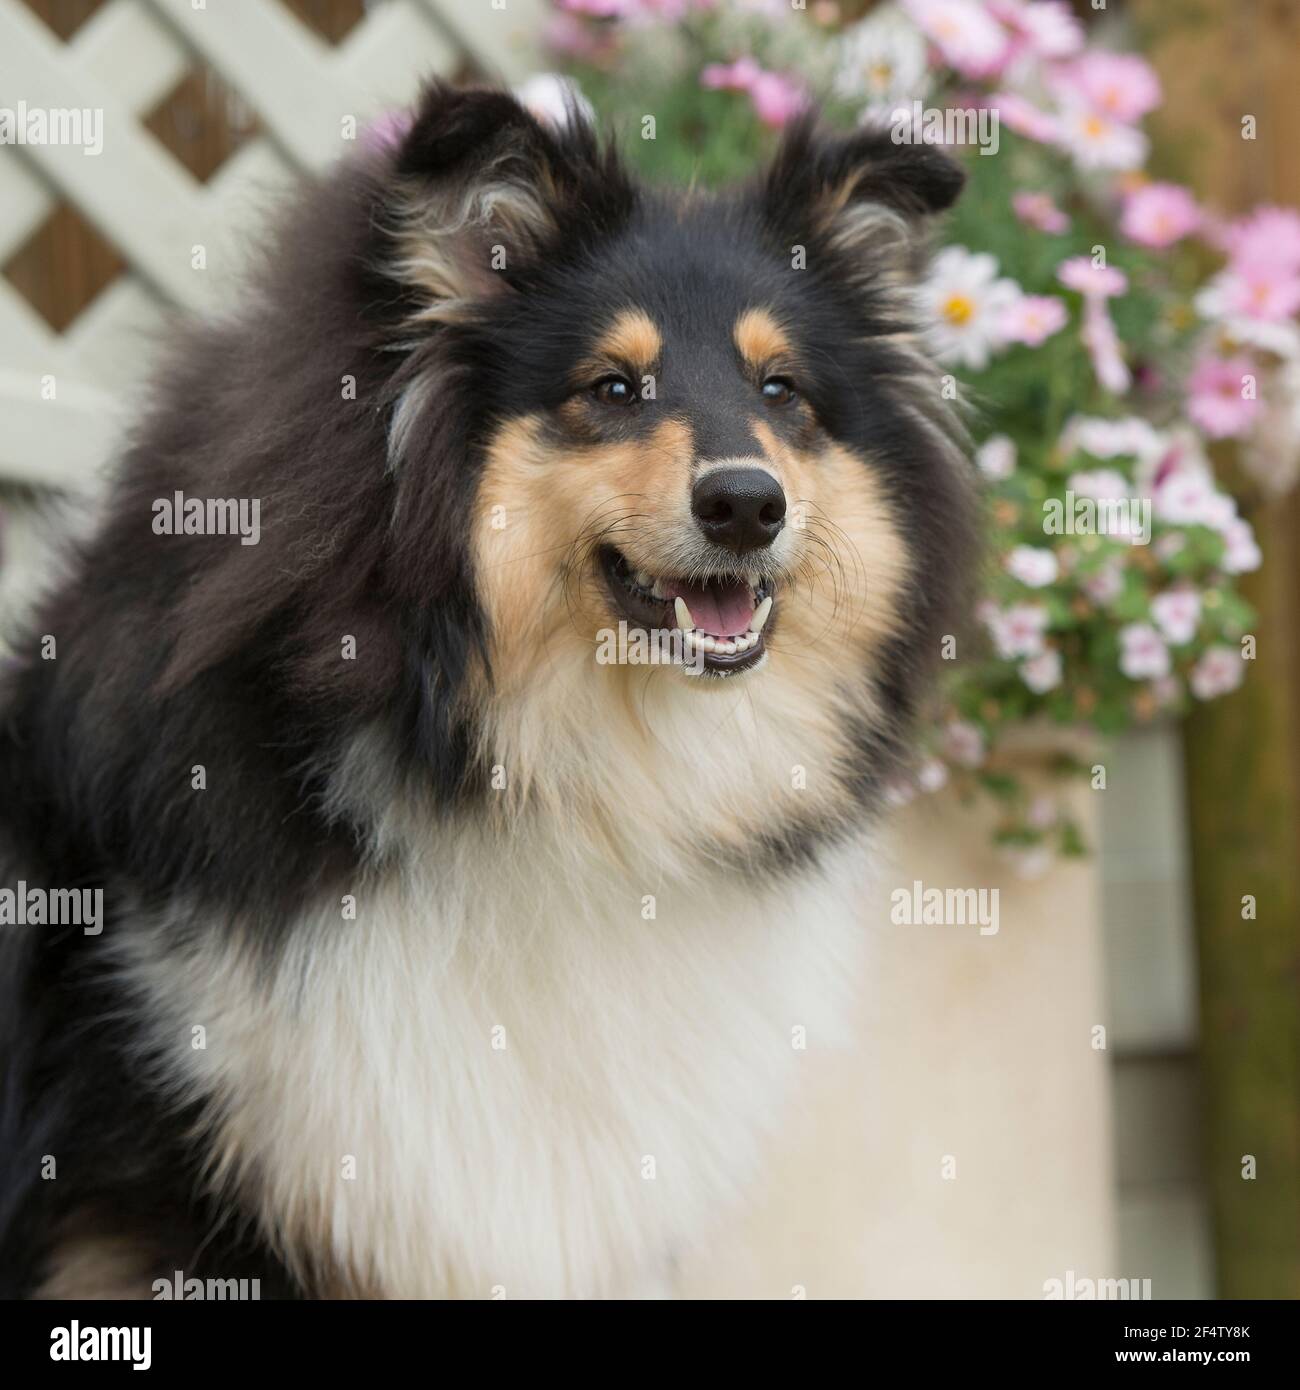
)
(148, 205)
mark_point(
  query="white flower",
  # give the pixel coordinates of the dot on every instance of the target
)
(1018, 630)
(1043, 672)
(1143, 654)
(1105, 439)
(1177, 612)
(1242, 554)
(882, 61)
(1032, 566)
(1105, 586)
(1219, 671)
(931, 775)
(963, 744)
(996, 457)
(965, 303)
(1096, 141)
(1187, 498)
(1101, 484)
(554, 100)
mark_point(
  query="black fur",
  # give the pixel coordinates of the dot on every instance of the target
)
(175, 651)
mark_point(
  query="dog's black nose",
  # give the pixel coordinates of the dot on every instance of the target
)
(741, 508)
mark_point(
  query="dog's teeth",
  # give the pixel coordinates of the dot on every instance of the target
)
(705, 642)
(751, 578)
(643, 578)
(744, 643)
(684, 619)
(760, 615)
(727, 648)
(657, 589)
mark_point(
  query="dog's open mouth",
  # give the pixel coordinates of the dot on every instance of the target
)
(721, 618)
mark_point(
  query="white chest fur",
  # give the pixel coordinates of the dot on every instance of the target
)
(511, 1073)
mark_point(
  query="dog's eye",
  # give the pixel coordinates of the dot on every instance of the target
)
(778, 390)
(614, 390)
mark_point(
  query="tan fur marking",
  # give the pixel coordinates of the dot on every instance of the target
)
(761, 339)
(632, 339)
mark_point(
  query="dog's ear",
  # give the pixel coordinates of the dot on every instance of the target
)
(863, 193)
(482, 189)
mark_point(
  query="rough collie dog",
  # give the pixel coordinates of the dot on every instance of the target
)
(445, 946)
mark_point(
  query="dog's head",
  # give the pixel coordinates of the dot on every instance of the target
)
(700, 447)
(647, 508)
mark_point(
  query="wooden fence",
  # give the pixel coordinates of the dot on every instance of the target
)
(206, 106)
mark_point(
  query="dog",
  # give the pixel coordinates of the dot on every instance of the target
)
(447, 950)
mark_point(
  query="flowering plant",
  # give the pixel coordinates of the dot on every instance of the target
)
(1108, 329)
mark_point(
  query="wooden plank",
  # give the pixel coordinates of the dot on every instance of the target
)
(134, 193)
(132, 52)
(395, 50)
(283, 70)
(500, 35)
(61, 443)
(1243, 752)
(26, 200)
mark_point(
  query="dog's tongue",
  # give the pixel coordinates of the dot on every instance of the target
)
(722, 607)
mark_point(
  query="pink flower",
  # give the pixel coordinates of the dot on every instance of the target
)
(1025, 118)
(1120, 86)
(1047, 29)
(1143, 654)
(1101, 340)
(1266, 290)
(1043, 672)
(1105, 586)
(1159, 214)
(963, 744)
(1216, 399)
(1242, 554)
(1033, 318)
(1018, 630)
(966, 35)
(776, 99)
(600, 9)
(739, 76)
(1219, 671)
(1177, 612)
(1038, 211)
(1269, 235)
(1092, 281)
